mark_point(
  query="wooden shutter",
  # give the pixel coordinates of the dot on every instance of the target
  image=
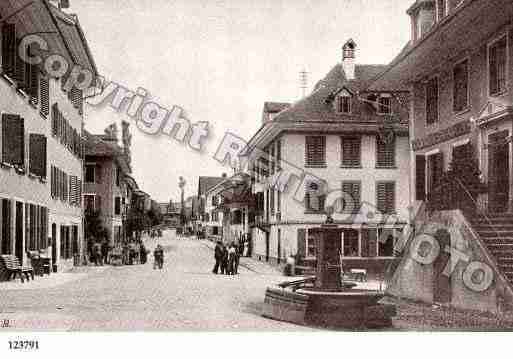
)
(33, 85)
(301, 242)
(386, 197)
(420, 178)
(45, 96)
(20, 71)
(365, 243)
(37, 159)
(13, 140)
(354, 190)
(385, 153)
(315, 151)
(460, 93)
(351, 151)
(9, 49)
(432, 101)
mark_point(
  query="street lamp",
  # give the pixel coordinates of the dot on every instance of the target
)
(181, 184)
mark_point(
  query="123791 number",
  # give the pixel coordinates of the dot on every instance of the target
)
(23, 345)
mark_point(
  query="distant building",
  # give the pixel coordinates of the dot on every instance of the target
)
(209, 222)
(106, 188)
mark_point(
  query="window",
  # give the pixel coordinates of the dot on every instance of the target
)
(9, 49)
(386, 197)
(351, 151)
(89, 173)
(385, 105)
(44, 89)
(353, 189)
(271, 200)
(432, 101)
(385, 152)
(215, 201)
(118, 176)
(37, 155)
(89, 203)
(314, 197)
(5, 226)
(350, 243)
(315, 151)
(497, 56)
(460, 86)
(117, 206)
(344, 104)
(13, 140)
(441, 9)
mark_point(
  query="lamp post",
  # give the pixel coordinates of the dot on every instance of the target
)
(181, 184)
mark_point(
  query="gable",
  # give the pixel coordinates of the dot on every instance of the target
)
(493, 110)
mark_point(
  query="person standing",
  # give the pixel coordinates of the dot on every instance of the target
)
(105, 250)
(218, 256)
(158, 255)
(224, 261)
(232, 253)
(98, 254)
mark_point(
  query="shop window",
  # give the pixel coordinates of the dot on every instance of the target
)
(350, 241)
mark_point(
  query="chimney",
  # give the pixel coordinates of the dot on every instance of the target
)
(348, 59)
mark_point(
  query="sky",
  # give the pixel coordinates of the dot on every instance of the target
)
(220, 61)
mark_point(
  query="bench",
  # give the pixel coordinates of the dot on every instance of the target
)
(359, 274)
(12, 266)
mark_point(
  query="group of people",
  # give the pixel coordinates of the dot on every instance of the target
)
(227, 258)
(99, 252)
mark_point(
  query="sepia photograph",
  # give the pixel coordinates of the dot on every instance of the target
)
(239, 166)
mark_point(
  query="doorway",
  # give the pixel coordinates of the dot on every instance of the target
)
(54, 246)
(18, 233)
(498, 171)
(267, 246)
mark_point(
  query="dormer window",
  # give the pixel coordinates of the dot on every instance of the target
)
(344, 104)
(385, 104)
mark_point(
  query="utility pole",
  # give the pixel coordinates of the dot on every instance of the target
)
(303, 82)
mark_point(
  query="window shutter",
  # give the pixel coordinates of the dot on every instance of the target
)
(21, 69)
(432, 101)
(301, 242)
(420, 178)
(386, 197)
(33, 86)
(37, 160)
(9, 49)
(45, 96)
(353, 189)
(315, 151)
(13, 140)
(385, 152)
(351, 151)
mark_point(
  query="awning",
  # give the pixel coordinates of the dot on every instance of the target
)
(467, 28)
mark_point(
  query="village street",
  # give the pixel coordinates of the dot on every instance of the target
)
(185, 295)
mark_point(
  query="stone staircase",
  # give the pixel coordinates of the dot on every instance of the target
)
(496, 231)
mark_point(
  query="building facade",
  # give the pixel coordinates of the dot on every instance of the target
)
(336, 140)
(108, 187)
(457, 67)
(41, 139)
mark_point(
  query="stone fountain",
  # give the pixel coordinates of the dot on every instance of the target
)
(325, 300)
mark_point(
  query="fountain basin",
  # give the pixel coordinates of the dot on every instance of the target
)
(349, 309)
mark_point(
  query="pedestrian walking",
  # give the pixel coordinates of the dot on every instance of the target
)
(105, 250)
(158, 255)
(224, 261)
(218, 256)
(236, 259)
(232, 253)
(98, 254)
(143, 254)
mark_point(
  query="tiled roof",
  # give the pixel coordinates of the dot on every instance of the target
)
(273, 107)
(315, 106)
(206, 183)
(94, 145)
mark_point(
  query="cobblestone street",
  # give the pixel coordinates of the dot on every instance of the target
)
(185, 295)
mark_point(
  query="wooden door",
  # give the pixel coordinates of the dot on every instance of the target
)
(498, 171)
